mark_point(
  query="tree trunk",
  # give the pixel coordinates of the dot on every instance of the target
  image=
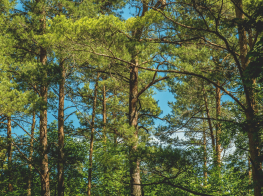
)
(31, 154)
(104, 118)
(205, 155)
(249, 173)
(133, 120)
(253, 132)
(61, 131)
(218, 126)
(104, 114)
(135, 178)
(9, 154)
(92, 135)
(254, 137)
(45, 190)
(115, 129)
(209, 120)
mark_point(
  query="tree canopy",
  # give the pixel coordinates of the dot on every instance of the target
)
(97, 73)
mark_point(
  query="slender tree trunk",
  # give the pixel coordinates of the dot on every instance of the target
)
(254, 150)
(133, 121)
(92, 135)
(241, 35)
(218, 125)
(44, 170)
(209, 120)
(135, 178)
(45, 191)
(249, 173)
(104, 110)
(205, 155)
(9, 154)
(61, 131)
(104, 118)
(253, 132)
(31, 154)
(115, 130)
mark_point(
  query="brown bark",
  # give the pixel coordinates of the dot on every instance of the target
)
(45, 189)
(31, 154)
(92, 135)
(135, 178)
(249, 173)
(253, 132)
(104, 119)
(218, 126)
(115, 129)
(253, 136)
(242, 35)
(61, 131)
(104, 110)
(209, 120)
(205, 155)
(133, 120)
(9, 154)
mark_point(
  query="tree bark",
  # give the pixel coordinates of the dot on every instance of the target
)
(253, 132)
(44, 170)
(135, 178)
(104, 116)
(205, 155)
(61, 131)
(45, 190)
(254, 141)
(133, 120)
(218, 125)
(92, 135)
(9, 154)
(249, 173)
(115, 137)
(209, 120)
(31, 154)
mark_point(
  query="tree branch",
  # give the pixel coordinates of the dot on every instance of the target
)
(200, 76)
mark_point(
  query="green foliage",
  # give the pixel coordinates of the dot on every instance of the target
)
(197, 42)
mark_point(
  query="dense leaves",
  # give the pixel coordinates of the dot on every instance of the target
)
(78, 88)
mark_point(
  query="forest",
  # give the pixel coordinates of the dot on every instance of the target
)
(131, 97)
